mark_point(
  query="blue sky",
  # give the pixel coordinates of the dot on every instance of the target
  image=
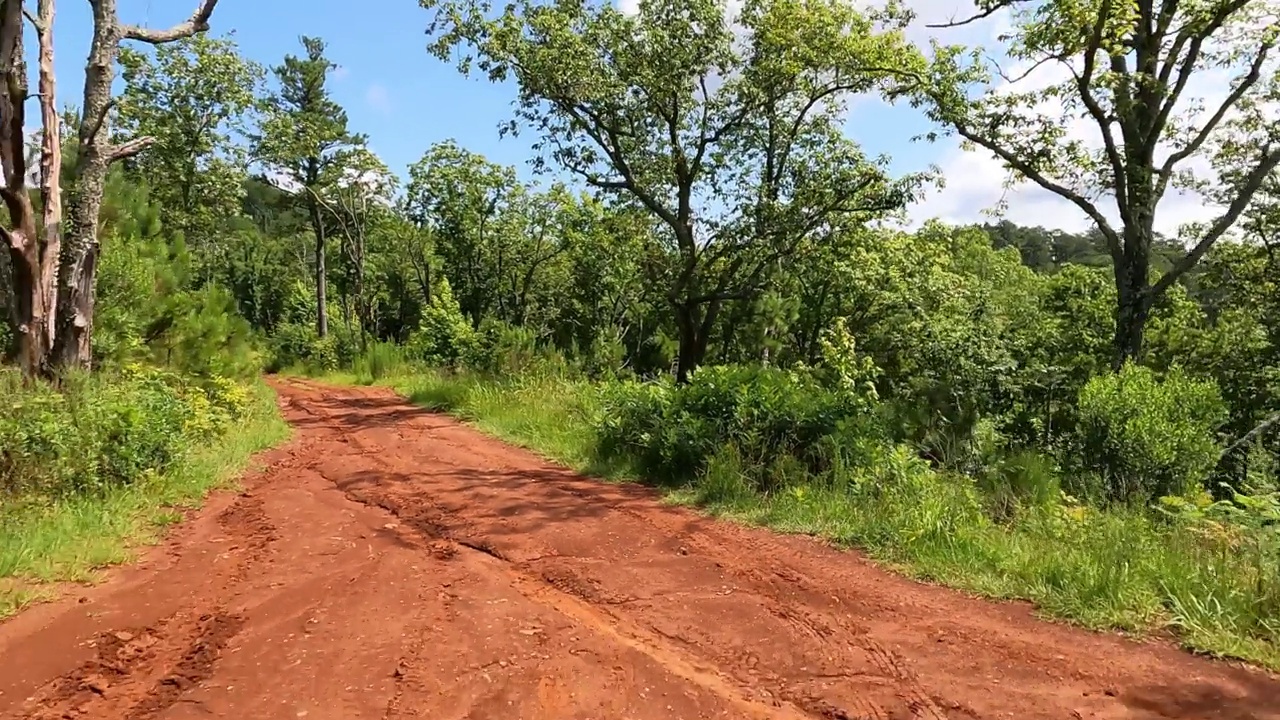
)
(393, 89)
(405, 99)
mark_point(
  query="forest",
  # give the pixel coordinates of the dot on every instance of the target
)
(707, 285)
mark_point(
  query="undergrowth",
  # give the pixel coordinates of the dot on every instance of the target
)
(127, 477)
(1116, 566)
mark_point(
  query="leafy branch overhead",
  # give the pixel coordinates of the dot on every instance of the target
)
(1173, 95)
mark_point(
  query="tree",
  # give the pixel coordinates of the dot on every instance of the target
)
(545, 226)
(33, 254)
(304, 137)
(95, 153)
(726, 129)
(54, 323)
(457, 196)
(192, 96)
(1126, 68)
(356, 204)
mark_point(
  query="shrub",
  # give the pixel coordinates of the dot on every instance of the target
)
(1021, 480)
(502, 349)
(605, 358)
(297, 344)
(379, 360)
(151, 309)
(139, 427)
(768, 415)
(102, 431)
(444, 337)
(1146, 437)
(40, 447)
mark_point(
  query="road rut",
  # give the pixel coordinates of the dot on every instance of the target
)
(392, 563)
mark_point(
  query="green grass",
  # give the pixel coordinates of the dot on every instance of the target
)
(71, 539)
(1113, 570)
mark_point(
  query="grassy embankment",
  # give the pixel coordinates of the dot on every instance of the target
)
(1119, 569)
(70, 537)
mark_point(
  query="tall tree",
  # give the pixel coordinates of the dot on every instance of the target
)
(357, 206)
(304, 137)
(724, 126)
(33, 256)
(95, 152)
(458, 196)
(52, 281)
(1130, 69)
(193, 96)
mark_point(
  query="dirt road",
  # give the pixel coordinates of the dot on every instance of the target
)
(390, 563)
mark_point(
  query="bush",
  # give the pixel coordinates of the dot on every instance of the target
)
(767, 415)
(103, 431)
(379, 360)
(502, 349)
(150, 309)
(1146, 437)
(139, 427)
(297, 344)
(1021, 480)
(444, 337)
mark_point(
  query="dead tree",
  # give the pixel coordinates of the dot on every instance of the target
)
(78, 269)
(33, 251)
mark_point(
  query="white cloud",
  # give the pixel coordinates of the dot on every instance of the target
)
(975, 180)
(378, 98)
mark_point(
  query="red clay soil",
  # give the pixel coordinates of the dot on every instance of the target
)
(391, 563)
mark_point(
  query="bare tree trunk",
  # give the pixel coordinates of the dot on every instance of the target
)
(80, 261)
(50, 170)
(32, 257)
(1133, 298)
(322, 289)
(78, 272)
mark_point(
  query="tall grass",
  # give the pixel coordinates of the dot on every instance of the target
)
(549, 415)
(69, 537)
(1107, 569)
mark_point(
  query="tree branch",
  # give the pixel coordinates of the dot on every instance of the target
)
(197, 23)
(129, 148)
(997, 7)
(1179, 85)
(1083, 82)
(1039, 178)
(1248, 81)
(1248, 437)
(98, 120)
(1270, 159)
(35, 21)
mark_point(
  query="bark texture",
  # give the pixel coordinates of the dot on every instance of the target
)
(33, 251)
(78, 272)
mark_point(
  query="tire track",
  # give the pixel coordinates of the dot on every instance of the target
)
(918, 699)
(139, 673)
(572, 596)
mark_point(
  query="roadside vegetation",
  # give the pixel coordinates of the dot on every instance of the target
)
(94, 463)
(94, 472)
(709, 287)
(808, 451)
